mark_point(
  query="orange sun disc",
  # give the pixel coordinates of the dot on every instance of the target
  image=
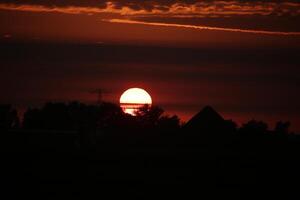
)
(133, 99)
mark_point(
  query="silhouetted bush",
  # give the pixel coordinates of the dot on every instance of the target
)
(282, 128)
(33, 119)
(230, 126)
(169, 123)
(72, 116)
(254, 127)
(8, 117)
(154, 118)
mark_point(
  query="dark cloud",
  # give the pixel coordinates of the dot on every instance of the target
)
(123, 2)
(254, 69)
(52, 3)
(187, 8)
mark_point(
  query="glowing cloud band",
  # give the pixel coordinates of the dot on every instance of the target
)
(126, 21)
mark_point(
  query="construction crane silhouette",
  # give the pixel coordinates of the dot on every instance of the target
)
(99, 93)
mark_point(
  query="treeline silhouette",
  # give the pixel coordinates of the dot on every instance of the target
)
(78, 116)
(74, 150)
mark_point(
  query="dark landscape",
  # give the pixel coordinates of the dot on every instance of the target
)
(73, 150)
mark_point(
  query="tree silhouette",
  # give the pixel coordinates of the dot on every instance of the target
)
(8, 117)
(282, 128)
(254, 127)
(72, 116)
(169, 123)
(230, 125)
(32, 119)
(149, 116)
(153, 117)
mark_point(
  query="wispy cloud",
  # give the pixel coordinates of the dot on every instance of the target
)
(126, 21)
(139, 12)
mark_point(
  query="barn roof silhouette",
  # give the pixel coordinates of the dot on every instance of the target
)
(206, 118)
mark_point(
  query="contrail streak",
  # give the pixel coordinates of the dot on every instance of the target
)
(126, 21)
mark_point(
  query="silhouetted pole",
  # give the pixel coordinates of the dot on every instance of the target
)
(99, 98)
(99, 93)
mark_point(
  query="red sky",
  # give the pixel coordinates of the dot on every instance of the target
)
(239, 56)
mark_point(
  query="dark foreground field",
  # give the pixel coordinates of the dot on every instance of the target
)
(63, 165)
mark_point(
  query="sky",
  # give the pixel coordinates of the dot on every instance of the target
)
(241, 57)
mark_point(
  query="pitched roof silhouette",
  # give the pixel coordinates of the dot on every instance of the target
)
(207, 117)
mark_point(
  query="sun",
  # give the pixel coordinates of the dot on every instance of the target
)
(133, 99)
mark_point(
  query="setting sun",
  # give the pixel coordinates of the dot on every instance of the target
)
(133, 99)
